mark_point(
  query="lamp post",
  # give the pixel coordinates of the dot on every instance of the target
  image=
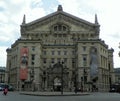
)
(82, 84)
(44, 78)
(62, 78)
(75, 83)
(84, 78)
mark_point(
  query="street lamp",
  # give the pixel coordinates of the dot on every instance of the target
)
(84, 78)
(44, 78)
(62, 78)
(75, 83)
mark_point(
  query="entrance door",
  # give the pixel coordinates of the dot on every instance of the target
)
(57, 84)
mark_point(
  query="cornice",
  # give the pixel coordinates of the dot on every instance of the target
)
(25, 41)
(92, 41)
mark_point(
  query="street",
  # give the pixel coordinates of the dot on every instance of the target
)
(15, 96)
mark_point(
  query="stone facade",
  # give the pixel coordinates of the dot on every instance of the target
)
(64, 51)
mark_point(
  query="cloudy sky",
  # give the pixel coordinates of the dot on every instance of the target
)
(12, 11)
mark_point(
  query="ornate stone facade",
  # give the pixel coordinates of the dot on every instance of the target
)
(64, 52)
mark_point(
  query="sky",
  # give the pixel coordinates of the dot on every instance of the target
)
(12, 12)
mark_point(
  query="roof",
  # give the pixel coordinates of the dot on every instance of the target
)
(59, 12)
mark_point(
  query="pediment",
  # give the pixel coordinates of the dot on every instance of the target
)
(45, 23)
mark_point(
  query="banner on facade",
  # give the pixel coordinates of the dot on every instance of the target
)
(23, 63)
(23, 73)
(93, 63)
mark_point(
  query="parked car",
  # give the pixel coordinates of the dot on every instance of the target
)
(112, 90)
(2, 86)
(9, 87)
(115, 88)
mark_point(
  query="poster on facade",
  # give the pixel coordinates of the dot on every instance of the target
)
(93, 64)
(23, 73)
(23, 63)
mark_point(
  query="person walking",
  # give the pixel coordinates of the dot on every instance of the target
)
(5, 91)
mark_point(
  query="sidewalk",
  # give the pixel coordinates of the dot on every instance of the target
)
(54, 93)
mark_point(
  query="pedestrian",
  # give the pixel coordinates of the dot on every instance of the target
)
(75, 90)
(5, 91)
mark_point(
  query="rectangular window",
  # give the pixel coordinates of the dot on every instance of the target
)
(64, 35)
(84, 60)
(52, 60)
(65, 60)
(55, 35)
(33, 57)
(84, 48)
(32, 63)
(53, 52)
(33, 48)
(73, 60)
(73, 52)
(58, 59)
(44, 52)
(44, 60)
(55, 28)
(59, 52)
(65, 52)
(59, 35)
